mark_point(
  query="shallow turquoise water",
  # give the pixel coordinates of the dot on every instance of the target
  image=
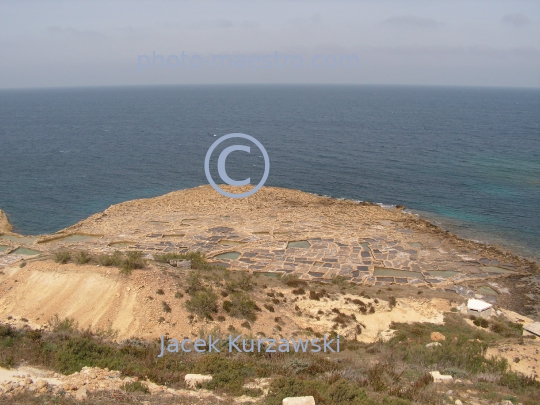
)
(303, 244)
(24, 251)
(228, 255)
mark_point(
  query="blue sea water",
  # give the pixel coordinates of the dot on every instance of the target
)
(467, 158)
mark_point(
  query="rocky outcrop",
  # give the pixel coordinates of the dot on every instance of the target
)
(194, 380)
(5, 226)
(299, 401)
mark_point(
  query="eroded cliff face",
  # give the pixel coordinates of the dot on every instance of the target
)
(5, 226)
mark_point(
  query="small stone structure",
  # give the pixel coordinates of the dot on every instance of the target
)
(183, 264)
(193, 380)
(479, 308)
(440, 378)
(299, 401)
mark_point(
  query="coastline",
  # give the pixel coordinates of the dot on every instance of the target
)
(426, 221)
(276, 232)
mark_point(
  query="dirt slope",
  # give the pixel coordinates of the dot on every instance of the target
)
(100, 298)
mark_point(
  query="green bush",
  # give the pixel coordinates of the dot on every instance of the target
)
(198, 260)
(326, 393)
(62, 257)
(241, 306)
(82, 258)
(166, 307)
(483, 323)
(202, 303)
(194, 282)
(114, 260)
(135, 386)
(292, 280)
(133, 260)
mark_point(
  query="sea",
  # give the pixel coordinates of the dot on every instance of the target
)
(468, 159)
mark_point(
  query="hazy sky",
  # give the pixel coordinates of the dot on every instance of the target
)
(441, 42)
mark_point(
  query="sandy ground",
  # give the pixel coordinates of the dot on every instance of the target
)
(100, 298)
(524, 358)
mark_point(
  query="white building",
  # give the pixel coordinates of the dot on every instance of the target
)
(479, 308)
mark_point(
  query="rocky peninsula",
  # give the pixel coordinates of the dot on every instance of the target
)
(291, 264)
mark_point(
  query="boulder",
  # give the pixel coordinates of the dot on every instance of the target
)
(440, 378)
(81, 394)
(183, 264)
(433, 344)
(299, 401)
(193, 380)
(437, 337)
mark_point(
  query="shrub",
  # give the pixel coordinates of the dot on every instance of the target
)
(392, 302)
(166, 307)
(241, 306)
(483, 323)
(114, 260)
(136, 386)
(82, 258)
(66, 325)
(202, 303)
(133, 260)
(313, 295)
(198, 260)
(269, 307)
(506, 328)
(178, 294)
(292, 280)
(23, 263)
(298, 291)
(339, 281)
(194, 282)
(62, 257)
(246, 282)
(160, 291)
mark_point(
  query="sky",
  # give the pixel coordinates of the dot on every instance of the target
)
(49, 43)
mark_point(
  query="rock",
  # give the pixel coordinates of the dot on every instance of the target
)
(81, 394)
(440, 378)
(299, 401)
(192, 380)
(5, 226)
(506, 402)
(41, 384)
(437, 337)
(184, 264)
(433, 344)
(458, 402)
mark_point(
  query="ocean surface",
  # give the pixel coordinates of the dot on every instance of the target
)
(466, 158)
